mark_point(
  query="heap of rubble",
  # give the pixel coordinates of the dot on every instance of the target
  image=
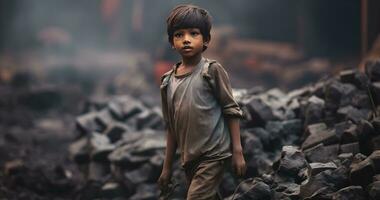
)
(317, 142)
(339, 145)
(120, 148)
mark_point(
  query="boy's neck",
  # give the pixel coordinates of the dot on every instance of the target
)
(191, 62)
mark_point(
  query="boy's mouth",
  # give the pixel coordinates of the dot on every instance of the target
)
(187, 47)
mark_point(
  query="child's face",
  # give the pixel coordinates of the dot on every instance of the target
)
(188, 42)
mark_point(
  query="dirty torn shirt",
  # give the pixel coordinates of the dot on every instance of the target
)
(194, 108)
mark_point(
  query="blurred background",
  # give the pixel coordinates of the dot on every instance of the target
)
(55, 55)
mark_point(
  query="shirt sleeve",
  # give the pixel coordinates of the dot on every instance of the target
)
(163, 91)
(221, 86)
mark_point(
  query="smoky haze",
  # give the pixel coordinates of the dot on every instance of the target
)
(130, 35)
(80, 106)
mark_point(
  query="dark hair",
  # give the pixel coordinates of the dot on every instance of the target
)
(189, 16)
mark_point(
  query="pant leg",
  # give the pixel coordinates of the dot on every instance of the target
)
(204, 180)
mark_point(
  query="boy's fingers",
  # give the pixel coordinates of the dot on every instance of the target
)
(238, 171)
(243, 170)
(161, 183)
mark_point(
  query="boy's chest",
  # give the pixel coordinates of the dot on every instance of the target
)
(183, 70)
(190, 92)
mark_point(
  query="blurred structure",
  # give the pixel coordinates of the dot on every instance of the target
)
(55, 55)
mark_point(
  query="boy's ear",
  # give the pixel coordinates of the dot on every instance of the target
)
(206, 41)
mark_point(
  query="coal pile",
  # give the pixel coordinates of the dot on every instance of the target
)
(120, 148)
(317, 142)
(334, 156)
(35, 124)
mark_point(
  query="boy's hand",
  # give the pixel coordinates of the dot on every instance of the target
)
(238, 163)
(164, 179)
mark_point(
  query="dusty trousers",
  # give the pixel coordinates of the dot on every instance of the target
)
(203, 179)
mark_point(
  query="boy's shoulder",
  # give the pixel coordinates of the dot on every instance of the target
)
(211, 68)
(166, 75)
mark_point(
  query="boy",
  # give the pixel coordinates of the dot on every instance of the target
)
(198, 108)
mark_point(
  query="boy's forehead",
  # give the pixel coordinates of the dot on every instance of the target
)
(187, 29)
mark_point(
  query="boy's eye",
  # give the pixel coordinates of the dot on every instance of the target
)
(194, 33)
(177, 35)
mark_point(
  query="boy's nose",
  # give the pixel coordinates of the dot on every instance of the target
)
(186, 41)
(186, 38)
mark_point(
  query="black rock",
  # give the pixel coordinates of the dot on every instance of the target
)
(103, 118)
(326, 137)
(349, 135)
(125, 107)
(346, 156)
(251, 144)
(375, 92)
(146, 192)
(265, 137)
(372, 69)
(375, 158)
(141, 175)
(14, 167)
(376, 178)
(80, 150)
(365, 130)
(98, 171)
(112, 190)
(358, 158)
(347, 76)
(336, 92)
(353, 114)
(288, 190)
(256, 190)
(86, 123)
(314, 110)
(228, 185)
(324, 193)
(361, 100)
(375, 143)
(351, 192)
(115, 131)
(96, 103)
(325, 182)
(291, 163)
(150, 119)
(314, 129)
(353, 148)
(275, 129)
(41, 98)
(260, 112)
(321, 153)
(316, 168)
(361, 173)
(123, 158)
(292, 127)
(374, 190)
(100, 147)
(376, 125)
(132, 154)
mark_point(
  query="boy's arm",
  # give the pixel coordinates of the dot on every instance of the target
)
(171, 147)
(238, 161)
(223, 91)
